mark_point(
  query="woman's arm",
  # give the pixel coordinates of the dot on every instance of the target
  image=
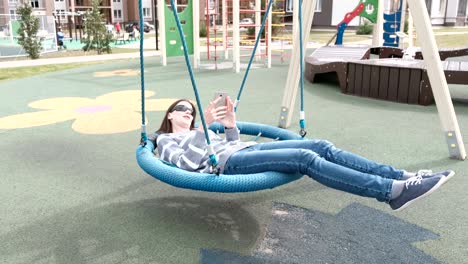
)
(229, 122)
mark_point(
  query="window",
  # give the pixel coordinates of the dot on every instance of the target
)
(60, 14)
(211, 4)
(146, 12)
(318, 6)
(35, 3)
(116, 1)
(429, 6)
(441, 6)
(117, 14)
(462, 8)
(13, 14)
(12, 1)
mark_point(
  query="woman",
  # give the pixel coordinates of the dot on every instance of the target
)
(180, 143)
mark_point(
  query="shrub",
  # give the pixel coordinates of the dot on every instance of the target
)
(203, 29)
(364, 29)
(97, 37)
(27, 31)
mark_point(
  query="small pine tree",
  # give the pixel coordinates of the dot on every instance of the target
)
(97, 37)
(27, 31)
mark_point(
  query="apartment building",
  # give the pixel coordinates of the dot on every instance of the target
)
(328, 13)
(8, 9)
(41, 7)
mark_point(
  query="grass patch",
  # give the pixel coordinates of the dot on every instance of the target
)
(450, 29)
(22, 72)
(448, 41)
(73, 53)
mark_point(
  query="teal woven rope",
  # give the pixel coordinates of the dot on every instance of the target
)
(213, 159)
(301, 61)
(253, 53)
(142, 72)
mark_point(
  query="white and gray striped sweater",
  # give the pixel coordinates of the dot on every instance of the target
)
(187, 150)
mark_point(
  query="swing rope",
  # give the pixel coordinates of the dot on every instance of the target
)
(257, 40)
(142, 79)
(213, 158)
(302, 124)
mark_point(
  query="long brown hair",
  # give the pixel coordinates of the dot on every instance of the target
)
(166, 125)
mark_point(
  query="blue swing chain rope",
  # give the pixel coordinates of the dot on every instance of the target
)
(142, 79)
(302, 123)
(253, 55)
(213, 158)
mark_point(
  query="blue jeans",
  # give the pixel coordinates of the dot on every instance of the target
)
(320, 160)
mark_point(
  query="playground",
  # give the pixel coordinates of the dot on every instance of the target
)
(72, 191)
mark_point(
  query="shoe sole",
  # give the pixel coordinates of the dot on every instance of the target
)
(448, 177)
(435, 187)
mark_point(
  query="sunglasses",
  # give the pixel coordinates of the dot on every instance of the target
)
(182, 108)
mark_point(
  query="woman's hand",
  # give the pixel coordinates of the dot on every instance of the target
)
(229, 120)
(213, 113)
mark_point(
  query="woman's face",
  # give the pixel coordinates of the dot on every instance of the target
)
(181, 115)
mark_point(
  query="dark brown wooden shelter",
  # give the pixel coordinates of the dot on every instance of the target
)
(392, 79)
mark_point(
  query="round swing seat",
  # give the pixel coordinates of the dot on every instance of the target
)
(224, 183)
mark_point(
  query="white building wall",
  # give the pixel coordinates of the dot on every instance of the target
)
(146, 5)
(452, 9)
(437, 12)
(59, 8)
(117, 10)
(340, 8)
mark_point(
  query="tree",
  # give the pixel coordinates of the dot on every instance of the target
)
(97, 37)
(27, 31)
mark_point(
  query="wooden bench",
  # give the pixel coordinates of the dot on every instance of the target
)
(334, 59)
(444, 53)
(397, 80)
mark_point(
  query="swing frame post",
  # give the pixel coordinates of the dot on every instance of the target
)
(437, 79)
(196, 33)
(404, 6)
(292, 80)
(269, 33)
(377, 37)
(235, 36)
(225, 29)
(434, 69)
(162, 31)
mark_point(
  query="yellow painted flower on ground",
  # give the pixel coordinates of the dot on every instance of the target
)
(115, 112)
(122, 72)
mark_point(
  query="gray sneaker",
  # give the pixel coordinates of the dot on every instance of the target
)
(428, 173)
(416, 188)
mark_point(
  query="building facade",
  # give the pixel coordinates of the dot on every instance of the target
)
(328, 12)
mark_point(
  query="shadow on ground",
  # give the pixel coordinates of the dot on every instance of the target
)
(358, 234)
(147, 230)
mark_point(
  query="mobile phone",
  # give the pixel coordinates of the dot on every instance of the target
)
(222, 101)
